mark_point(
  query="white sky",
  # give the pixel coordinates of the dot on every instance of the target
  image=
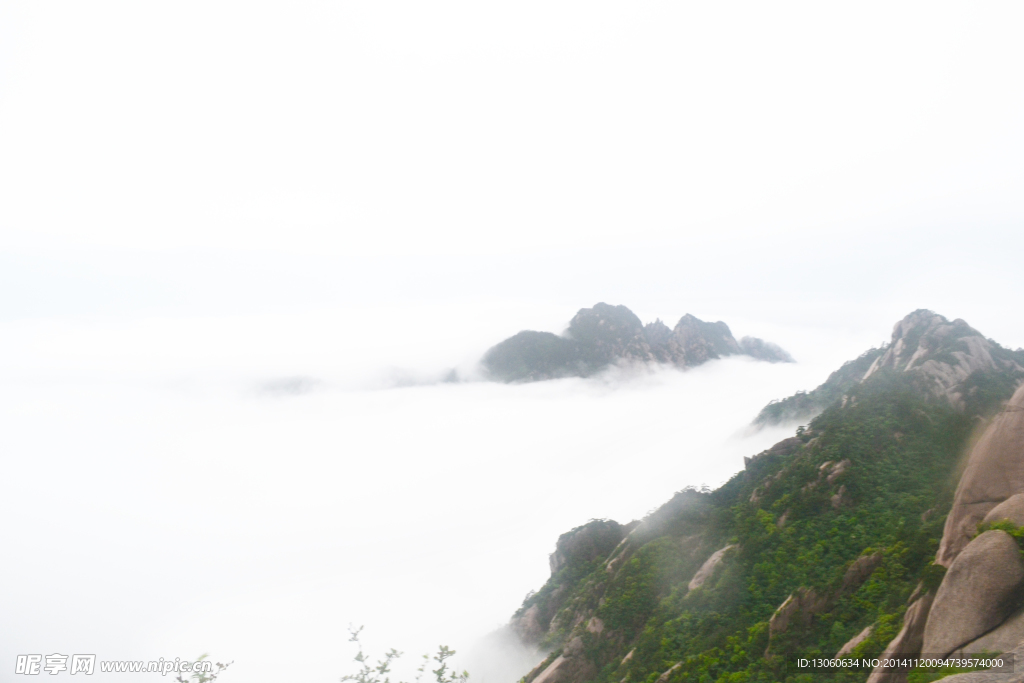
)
(722, 158)
(484, 128)
(199, 197)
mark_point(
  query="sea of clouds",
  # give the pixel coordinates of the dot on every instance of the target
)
(251, 486)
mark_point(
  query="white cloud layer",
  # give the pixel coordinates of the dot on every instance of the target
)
(163, 509)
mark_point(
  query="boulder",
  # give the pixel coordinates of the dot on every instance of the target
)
(1011, 510)
(994, 473)
(708, 568)
(977, 594)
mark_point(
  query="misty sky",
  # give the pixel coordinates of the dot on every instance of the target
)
(201, 202)
(791, 159)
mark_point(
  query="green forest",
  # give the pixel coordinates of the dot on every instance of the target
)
(847, 519)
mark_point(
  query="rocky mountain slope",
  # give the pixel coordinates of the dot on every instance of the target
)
(603, 335)
(856, 536)
(942, 359)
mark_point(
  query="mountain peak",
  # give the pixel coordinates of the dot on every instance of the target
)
(936, 358)
(605, 334)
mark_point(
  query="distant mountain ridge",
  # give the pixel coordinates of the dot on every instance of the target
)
(604, 335)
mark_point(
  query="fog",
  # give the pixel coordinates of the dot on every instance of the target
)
(168, 508)
(241, 243)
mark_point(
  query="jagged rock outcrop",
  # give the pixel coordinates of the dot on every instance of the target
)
(981, 589)
(994, 473)
(593, 540)
(949, 361)
(942, 355)
(604, 335)
(568, 609)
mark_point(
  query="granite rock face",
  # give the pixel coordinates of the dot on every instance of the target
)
(994, 474)
(941, 356)
(1004, 638)
(977, 594)
(605, 335)
(974, 607)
